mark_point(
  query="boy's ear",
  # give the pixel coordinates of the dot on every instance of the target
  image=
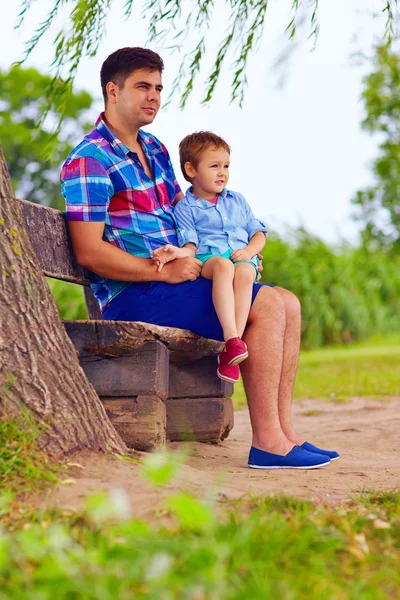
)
(189, 169)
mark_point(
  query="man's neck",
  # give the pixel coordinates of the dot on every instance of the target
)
(127, 137)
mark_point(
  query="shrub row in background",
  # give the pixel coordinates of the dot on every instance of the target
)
(347, 294)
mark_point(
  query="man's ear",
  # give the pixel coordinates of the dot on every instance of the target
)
(112, 90)
(189, 169)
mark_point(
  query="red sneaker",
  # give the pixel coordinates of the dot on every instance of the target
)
(235, 350)
(227, 372)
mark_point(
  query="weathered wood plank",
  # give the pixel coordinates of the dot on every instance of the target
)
(144, 372)
(198, 380)
(201, 419)
(92, 306)
(141, 421)
(47, 232)
(116, 338)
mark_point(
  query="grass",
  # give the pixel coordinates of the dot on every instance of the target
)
(23, 466)
(195, 548)
(370, 369)
(271, 547)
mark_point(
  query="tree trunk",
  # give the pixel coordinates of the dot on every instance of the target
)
(39, 367)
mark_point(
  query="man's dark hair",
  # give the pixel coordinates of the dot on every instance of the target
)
(123, 62)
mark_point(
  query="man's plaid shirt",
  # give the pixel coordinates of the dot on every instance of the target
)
(103, 181)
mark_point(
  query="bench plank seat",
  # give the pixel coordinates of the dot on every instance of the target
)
(116, 338)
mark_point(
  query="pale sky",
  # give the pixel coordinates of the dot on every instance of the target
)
(298, 152)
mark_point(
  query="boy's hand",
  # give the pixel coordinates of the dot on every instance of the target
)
(242, 254)
(164, 255)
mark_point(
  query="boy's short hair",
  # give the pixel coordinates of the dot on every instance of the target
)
(193, 145)
(123, 62)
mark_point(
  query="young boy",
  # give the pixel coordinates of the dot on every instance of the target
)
(218, 227)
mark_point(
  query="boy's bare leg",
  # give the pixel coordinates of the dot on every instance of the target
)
(291, 351)
(263, 370)
(243, 286)
(222, 271)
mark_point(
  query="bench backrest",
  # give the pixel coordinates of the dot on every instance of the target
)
(48, 233)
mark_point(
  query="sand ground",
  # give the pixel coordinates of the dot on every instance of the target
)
(365, 432)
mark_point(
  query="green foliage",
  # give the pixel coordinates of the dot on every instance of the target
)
(182, 27)
(23, 466)
(69, 298)
(347, 294)
(256, 548)
(379, 204)
(370, 370)
(23, 102)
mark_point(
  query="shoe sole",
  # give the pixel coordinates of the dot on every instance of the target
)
(309, 467)
(238, 359)
(224, 378)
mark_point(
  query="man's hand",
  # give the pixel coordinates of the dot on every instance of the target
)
(165, 254)
(260, 266)
(182, 269)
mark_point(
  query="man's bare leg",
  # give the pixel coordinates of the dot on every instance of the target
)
(262, 371)
(291, 349)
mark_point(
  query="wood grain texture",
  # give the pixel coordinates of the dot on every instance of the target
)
(116, 338)
(201, 419)
(141, 421)
(142, 372)
(47, 232)
(39, 370)
(198, 380)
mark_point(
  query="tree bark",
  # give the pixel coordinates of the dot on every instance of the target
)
(39, 368)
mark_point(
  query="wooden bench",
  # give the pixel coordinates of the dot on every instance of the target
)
(156, 383)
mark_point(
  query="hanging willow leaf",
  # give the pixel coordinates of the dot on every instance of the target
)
(168, 20)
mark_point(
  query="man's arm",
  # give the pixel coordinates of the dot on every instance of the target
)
(178, 197)
(106, 260)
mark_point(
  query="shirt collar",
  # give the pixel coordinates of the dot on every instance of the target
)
(146, 141)
(200, 202)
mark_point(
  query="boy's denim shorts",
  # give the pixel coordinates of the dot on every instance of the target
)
(185, 305)
(254, 261)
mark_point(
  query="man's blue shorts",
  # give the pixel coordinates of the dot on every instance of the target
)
(185, 305)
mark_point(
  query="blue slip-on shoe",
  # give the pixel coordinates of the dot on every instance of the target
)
(311, 448)
(297, 458)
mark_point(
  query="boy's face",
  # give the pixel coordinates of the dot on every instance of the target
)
(211, 174)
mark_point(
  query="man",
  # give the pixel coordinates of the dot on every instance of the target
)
(120, 189)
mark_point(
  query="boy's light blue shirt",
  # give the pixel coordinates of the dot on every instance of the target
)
(216, 228)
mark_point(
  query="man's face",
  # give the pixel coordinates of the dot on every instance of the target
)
(138, 101)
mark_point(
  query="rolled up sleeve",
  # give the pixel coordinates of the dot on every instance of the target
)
(252, 223)
(87, 189)
(185, 226)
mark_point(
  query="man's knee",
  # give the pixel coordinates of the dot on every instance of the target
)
(268, 302)
(291, 301)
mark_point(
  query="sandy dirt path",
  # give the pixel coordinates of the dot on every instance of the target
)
(365, 432)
